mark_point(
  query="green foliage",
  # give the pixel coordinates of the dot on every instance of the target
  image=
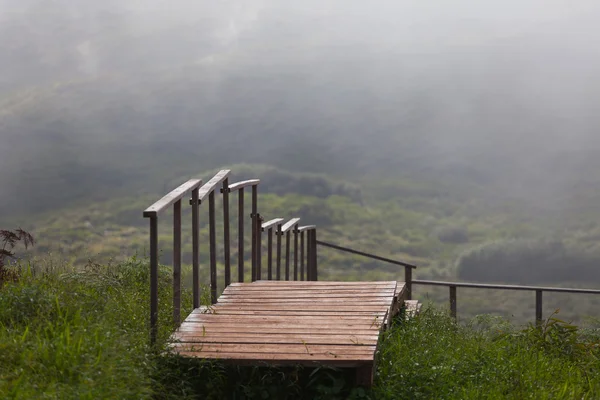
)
(83, 334)
(432, 357)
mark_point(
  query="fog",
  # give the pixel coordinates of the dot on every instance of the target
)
(502, 93)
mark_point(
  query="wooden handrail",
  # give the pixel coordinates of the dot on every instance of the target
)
(210, 186)
(243, 184)
(289, 225)
(270, 224)
(172, 197)
(306, 228)
(199, 194)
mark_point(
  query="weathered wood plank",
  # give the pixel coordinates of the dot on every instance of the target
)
(313, 307)
(347, 360)
(348, 317)
(315, 283)
(267, 330)
(292, 313)
(270, 348)
(279, 339)
(291, 326)
(367, 301)
(307, 293)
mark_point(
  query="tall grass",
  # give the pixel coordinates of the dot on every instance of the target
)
(83, 334)
(432, 357)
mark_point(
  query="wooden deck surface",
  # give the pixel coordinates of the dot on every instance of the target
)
(286, 323)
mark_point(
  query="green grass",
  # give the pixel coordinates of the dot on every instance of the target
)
(82, 334)
(432, 357)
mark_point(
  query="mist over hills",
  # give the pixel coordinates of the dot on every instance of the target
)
(99, 99)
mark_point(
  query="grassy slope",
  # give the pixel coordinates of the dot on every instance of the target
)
(68, 334)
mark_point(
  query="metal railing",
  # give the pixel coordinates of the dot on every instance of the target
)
(454, 285)
(539, 290)
(304, 252)
(408, 281)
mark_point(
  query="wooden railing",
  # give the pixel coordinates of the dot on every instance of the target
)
(304, 250)
(152, 212)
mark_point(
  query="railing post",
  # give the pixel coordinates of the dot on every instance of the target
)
(408, 282)
(196, 247)
(259, 220)
(153, 279)
(296, 253)
(241, 235)
(311, 255)
(279, 234)
(177, 263)
(270, 254)
(226, 235)
(213, 247)
(538, 307)
(287, 256)
(453, 301)
(254, 223)
(315, 275)
(302, 255)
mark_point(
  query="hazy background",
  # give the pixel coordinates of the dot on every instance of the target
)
(503, 93)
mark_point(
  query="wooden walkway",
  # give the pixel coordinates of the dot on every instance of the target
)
(293, 322)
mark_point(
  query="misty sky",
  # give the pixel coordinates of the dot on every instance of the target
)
(464, 79)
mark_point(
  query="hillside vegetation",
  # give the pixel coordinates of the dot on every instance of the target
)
(82, 334)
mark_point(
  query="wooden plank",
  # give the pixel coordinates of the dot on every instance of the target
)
(313, 307)
(294, 289)
(307, 293)
(349, 317)
(367, 301)
(314, 321)
(278, 339)
(267, 330)
(348, 360)
(291, 326)
(292, 313)
(373, 335)
(320, 289)
(412, 308)
(277, 348)
(315, 283)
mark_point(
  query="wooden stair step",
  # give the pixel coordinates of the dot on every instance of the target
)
(413, 307)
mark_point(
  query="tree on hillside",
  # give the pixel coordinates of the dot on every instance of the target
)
(9, 240)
